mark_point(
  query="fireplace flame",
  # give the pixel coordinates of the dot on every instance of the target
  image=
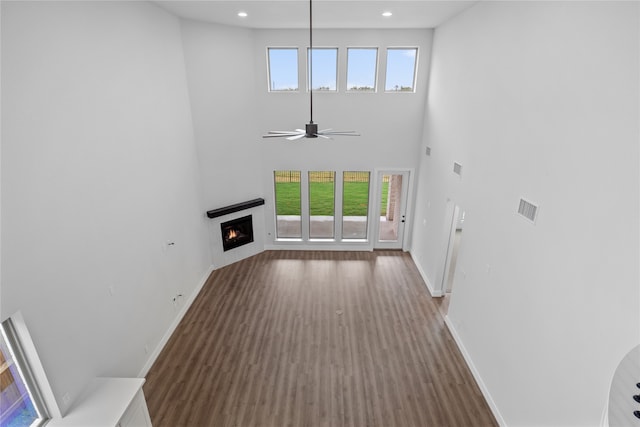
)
(232, 234)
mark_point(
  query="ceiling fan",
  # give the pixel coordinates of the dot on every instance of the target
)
(311, 129)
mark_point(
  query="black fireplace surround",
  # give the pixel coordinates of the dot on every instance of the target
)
(239, 231)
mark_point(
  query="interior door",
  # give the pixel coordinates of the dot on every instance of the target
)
(453, 246)
(390, 209)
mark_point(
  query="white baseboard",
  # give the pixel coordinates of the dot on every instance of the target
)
(154, 355)
(475, 373)
(434, 293)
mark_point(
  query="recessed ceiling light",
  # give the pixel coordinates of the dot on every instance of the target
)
(387, 14)
(242, 14)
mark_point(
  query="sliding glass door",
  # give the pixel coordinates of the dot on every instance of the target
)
(331, 206)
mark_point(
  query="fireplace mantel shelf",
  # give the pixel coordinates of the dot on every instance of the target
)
(235, 208)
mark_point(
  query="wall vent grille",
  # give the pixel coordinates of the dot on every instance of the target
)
(457, 168)
(428, 151)
(528, 210)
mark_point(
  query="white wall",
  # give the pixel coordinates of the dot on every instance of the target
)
(99, 170)
(221, 73)
(390, 124)
(538, 100)
(232, 109)
(102, 163)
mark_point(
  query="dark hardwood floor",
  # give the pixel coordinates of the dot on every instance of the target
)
(293, 338)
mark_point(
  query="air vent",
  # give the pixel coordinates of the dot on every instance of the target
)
(428, 151)
(457, 168)
(528, 210)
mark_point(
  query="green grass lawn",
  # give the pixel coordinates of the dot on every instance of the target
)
(356, 196)
(288, 198)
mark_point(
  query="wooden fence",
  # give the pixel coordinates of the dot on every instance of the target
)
(323, 176)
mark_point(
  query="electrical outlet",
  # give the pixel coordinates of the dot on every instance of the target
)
(176, 299)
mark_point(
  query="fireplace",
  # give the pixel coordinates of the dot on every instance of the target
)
(236, 232)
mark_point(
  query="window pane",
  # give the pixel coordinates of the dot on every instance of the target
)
(287, 191)
(325, 68)
(16, 406)
(283, 69)
(361, 69)
(401, 70)
(355, 204)
(321, 204)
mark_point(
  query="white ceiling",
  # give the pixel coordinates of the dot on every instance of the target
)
(326, 13)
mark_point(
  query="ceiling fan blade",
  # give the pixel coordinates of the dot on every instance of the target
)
(324, 130)
(322, 136)
(301, 130)
(293, 138)
(342, 133)
(283, 132)
(279, 135)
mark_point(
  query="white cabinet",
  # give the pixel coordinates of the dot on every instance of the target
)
(137, 414)
(108, 402)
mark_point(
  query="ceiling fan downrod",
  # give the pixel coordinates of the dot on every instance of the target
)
(311, 129)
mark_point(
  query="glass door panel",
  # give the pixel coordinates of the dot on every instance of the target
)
(321, 204)
(392, 197)
(287, 194)
(355, 205)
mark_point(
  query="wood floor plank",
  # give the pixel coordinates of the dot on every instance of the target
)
(314, 339)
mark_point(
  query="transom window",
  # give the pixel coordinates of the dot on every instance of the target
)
(361, 69)
(401, 69)
(283, 69)
(325, 69)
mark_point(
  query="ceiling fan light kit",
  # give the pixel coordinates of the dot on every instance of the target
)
(311, 129)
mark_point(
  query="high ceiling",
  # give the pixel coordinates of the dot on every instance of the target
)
(326, 13)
